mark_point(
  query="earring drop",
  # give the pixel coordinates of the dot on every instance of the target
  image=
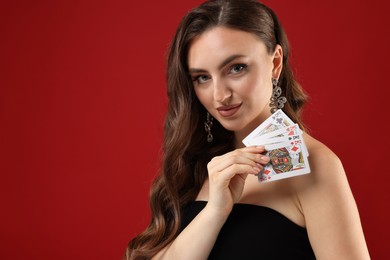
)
(277, 101)
(207, 127)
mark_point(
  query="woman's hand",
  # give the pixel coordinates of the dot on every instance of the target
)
(227, 174)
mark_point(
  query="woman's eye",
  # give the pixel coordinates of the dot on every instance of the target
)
(200, 79)
(237, 68)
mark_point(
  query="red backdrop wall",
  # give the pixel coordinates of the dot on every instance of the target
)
(82, 101)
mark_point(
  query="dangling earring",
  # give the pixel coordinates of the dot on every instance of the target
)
(277, 101)
(207, 127)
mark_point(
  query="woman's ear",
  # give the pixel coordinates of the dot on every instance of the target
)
(277, 61)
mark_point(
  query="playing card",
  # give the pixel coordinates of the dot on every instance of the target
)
(296, 141)
(285, 146)
(274, 140)
(276, 121)
(285, 162)
(282, 132)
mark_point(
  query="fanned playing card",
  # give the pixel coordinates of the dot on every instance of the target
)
(275, 122)
(285, 147)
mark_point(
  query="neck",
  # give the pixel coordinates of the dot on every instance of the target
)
(238, 137)
(242, 133)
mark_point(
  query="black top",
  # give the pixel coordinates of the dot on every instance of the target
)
(255, 232)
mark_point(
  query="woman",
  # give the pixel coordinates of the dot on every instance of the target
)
(225, 60)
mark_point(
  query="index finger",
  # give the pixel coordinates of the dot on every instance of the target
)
(254, 149)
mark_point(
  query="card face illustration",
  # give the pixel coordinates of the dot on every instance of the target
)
(285, 162)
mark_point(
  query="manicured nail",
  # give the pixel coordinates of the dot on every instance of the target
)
(264, 158)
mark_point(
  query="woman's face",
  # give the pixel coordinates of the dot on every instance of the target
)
(232, 75)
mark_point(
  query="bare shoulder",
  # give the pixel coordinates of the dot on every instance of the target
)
(320, 154)
(327, 204)
(327, 179)
(325, 165)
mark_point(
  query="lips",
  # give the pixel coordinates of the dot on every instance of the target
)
(227, 111)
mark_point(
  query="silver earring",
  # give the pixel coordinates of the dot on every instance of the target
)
(207, 127)
(277, 101)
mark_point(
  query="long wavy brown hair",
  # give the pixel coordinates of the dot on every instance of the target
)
(185, 149)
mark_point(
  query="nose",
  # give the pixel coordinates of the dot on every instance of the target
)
(222, 92)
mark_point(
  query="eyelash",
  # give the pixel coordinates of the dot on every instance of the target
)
(230, 71)
(196, 78)
(242, 67)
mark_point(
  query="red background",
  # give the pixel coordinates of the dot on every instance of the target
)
(82, 101)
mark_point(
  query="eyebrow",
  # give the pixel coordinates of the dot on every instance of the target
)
(223, 64)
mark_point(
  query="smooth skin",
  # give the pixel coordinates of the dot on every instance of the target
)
(232, 67)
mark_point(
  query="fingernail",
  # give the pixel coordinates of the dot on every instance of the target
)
(264, 158)
(260, 146)
(256, 169)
